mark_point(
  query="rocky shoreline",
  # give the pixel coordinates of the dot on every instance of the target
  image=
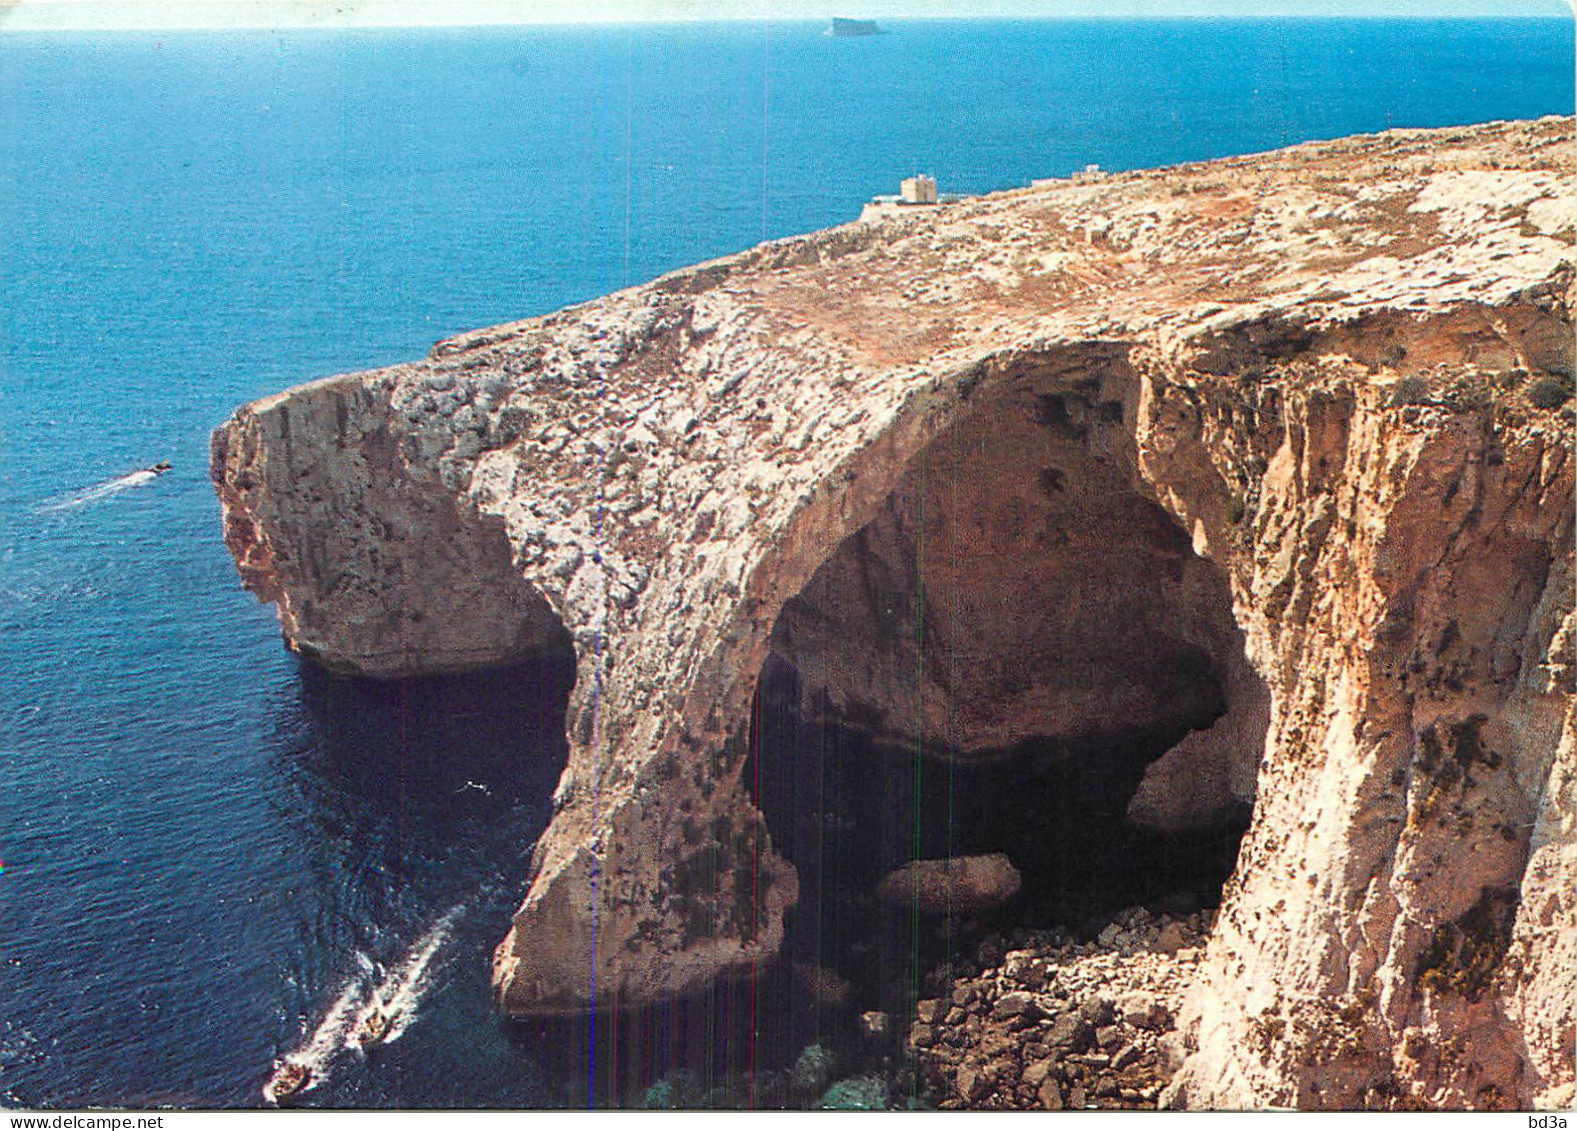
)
(1055, 1024)
(1023, 1020)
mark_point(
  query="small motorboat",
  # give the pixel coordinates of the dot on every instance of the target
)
(289, 1080)
(375, 1025)
(161, 467)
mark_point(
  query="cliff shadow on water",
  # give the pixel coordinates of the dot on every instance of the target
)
(411, 745)
(424, 787)
(415, 805)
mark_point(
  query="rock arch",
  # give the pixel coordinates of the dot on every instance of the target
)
(1034, 448)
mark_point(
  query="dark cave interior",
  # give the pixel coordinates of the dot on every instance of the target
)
(846, 811)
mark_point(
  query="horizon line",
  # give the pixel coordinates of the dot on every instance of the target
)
(238, 15)
(9, 26)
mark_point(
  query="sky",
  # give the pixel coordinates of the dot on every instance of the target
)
(18, 15)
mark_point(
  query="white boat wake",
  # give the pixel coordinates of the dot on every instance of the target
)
(398, 996)
(99, 491)
(400, 993)
(331, 1035)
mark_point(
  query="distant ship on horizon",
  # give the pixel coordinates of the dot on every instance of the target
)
(843, 28)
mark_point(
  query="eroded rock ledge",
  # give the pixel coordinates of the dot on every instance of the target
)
(1266, 456)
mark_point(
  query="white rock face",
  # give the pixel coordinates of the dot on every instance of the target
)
(1333, 375)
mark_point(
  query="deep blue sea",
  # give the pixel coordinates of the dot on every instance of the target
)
(208, 853)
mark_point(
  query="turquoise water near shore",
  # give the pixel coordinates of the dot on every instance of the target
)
(205, 848)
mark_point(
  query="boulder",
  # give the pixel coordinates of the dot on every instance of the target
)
(1171, 939)
(1143, 1009)
(946, 887)
(812, 1071)
(1070, 1033)
(1026, 968)
(1016, 1004)
(1049, 1094)
(1099, 1011)
(863, 1093)
(974, 1082)
(680, 1089)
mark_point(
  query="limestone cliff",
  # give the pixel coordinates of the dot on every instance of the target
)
(1266, 458)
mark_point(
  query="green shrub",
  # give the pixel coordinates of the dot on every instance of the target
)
(680, 1090)
(812, 1072)
(1550, 392)
(1411, 389)
(864, 1093)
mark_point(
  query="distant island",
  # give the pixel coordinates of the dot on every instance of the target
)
(847, 29)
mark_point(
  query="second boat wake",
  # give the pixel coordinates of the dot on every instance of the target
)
(396, 997)
(368, 1011)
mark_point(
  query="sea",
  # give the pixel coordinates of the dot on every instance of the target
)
(212, 857)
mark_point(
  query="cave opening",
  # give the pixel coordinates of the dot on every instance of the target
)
(1020, 655)
(848, 812)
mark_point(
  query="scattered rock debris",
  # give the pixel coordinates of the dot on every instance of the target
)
(1054, 1023)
